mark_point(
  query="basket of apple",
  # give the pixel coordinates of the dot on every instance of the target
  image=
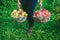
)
(19, 15)
(42, 15)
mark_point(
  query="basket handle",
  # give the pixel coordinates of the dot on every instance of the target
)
(40, 4)
(19, 4)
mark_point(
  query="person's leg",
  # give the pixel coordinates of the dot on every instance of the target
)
(23, 4)
(30, 9)
(29, 6)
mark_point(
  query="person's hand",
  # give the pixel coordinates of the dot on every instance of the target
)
(40, 4)
(19, 4)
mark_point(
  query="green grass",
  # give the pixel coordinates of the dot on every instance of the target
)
(11, 30)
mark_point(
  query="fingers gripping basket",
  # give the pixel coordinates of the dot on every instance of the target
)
(19, 15)
(42, 15)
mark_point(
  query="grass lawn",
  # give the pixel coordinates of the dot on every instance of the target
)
(11, 30)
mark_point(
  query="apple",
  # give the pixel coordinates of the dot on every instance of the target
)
(14, 14)
(24, 14)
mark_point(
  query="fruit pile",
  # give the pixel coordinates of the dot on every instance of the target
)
(42, 15)
(20, 15)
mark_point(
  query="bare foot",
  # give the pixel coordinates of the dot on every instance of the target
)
(29, 32)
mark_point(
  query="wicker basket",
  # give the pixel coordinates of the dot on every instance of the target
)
(19, 15)
(42, 15)
(21, 19)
